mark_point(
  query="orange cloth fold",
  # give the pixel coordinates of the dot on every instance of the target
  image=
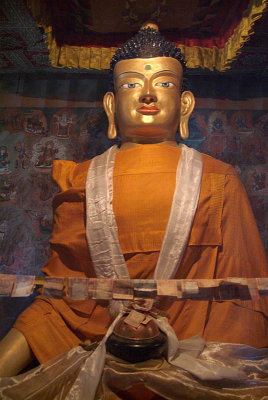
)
(224, 242)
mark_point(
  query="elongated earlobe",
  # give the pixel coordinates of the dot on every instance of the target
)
(187, 106)
(109, 107)
(112, 132)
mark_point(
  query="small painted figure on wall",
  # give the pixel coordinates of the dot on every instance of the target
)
(23, 155)
(47, 155)
(35, 123)
(62, 124)
(4, 160)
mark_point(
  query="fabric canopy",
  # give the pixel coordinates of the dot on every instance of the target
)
(86, 33)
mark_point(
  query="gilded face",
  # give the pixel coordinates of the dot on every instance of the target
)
(147, 98)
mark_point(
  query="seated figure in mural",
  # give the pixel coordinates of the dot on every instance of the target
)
(146, 108)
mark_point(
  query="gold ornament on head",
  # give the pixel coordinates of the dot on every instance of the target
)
(150, 24)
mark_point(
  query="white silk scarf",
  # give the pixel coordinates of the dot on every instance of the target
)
(101, 228)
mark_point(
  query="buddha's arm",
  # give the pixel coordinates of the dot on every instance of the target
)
(15, 353)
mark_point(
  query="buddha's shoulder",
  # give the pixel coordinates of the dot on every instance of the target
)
(69, 174)
(213, 166)
(70, 165)
(81, 168)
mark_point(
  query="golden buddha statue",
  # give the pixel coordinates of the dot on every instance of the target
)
(146, 108)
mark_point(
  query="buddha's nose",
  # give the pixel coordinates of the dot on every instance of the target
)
(148, 98)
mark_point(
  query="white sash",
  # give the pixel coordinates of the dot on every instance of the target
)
(101, 228)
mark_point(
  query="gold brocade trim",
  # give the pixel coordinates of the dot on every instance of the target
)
(196, 56)
(78, 57)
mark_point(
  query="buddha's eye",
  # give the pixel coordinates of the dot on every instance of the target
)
(165, 84)
(130, 85)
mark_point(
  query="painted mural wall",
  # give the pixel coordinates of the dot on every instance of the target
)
(48, 119)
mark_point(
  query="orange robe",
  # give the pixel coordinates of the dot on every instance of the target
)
(224, 242)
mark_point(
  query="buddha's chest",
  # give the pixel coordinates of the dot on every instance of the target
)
(142, 204)
(143, 201)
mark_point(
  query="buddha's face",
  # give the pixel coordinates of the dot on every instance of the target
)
(147, 99)
(147, 104)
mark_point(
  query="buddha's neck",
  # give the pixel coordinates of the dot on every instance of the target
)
(128, 145)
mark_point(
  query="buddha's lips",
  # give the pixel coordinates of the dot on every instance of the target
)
(148, 110)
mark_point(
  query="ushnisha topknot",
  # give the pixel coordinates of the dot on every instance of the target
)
(147, 43)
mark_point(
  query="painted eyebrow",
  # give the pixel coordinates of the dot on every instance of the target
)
(165, 70)
(156, 73)
(131, 72)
